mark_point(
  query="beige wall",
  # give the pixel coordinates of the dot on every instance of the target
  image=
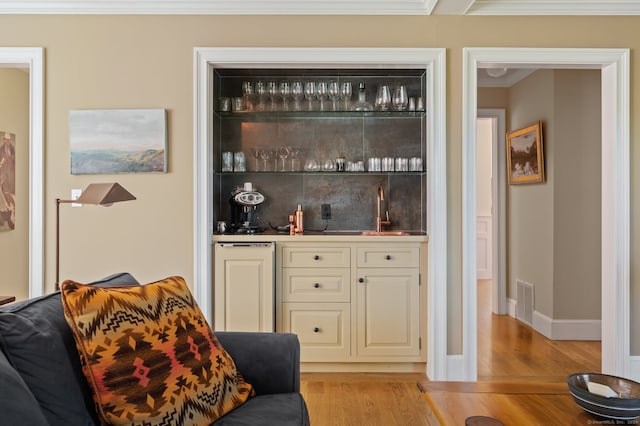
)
(14, 244)
(147, 61)
(554, 228)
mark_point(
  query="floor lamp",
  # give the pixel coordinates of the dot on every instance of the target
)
(102, 194)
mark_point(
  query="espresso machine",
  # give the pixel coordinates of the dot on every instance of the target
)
(244, 203)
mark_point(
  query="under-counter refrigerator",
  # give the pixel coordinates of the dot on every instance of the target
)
(244, 286)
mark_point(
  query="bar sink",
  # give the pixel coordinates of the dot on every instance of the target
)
(385, 233)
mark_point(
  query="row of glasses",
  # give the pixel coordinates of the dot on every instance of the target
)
(281, 153)
(276, 96)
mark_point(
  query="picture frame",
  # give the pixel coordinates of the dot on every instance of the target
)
(525, 155)
(113, 141)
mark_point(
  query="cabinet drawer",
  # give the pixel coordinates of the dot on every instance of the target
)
(322, 328)
(316, 284)
(312, 257)
(388, 257)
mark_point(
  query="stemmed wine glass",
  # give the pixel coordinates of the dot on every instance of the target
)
(261, 92)
(309, 92)
(400, 99)
(297, 93)
(334, 94)
(255, 153)
(247, 94)
(293, 154)
(346, 92)
(265, 154)
(285, 92)
(283, 154)
(272, 91)
(322, 93)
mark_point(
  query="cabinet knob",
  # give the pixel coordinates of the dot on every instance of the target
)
(316, 257)
(360, 280)
(316, 285)
(316, 330)
(388, 257)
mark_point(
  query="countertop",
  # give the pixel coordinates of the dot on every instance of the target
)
(339, 236)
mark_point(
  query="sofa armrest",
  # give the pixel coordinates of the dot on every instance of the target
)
(269, 361)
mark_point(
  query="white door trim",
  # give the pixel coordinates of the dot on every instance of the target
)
(434, 63)
(32, 58)
(498, 209)
(614, 64)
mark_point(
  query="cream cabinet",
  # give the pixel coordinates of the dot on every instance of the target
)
(353, 302)
(244, 289)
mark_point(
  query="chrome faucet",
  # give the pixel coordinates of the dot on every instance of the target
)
(379, 222)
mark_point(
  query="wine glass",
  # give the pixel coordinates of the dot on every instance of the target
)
(334, 94)
(400, 99)
(285, 91)
(265, 154)
(297, 93)
(255, 153)
(293, 154)
(261, 92)
(283, 154)
(322, 93)
(383, 98)
(309, 92)
(248, 94)
(272, 91)
(346, 92)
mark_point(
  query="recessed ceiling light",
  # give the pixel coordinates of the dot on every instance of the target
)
(496, 72)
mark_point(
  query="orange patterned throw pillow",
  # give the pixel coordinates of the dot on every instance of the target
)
(149, 355)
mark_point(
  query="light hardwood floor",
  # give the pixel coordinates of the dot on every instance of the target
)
(508, 351)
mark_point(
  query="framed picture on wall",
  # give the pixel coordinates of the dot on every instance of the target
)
(525, 155)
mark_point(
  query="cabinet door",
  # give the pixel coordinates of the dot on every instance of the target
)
(388, 312)
(322, 328)
(243, 297)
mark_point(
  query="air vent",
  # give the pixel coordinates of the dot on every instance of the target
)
(524, 306)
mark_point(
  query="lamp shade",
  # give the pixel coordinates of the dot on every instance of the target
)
(104, 194)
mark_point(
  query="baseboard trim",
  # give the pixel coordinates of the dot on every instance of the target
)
(562, 329)
(456, 368)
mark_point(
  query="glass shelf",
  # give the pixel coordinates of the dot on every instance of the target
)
(325, 173)
(251, 115)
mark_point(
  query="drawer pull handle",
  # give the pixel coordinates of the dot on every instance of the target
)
(361, 280)
(316, 285)
(316, 330)
(388, 257)
(316, 257)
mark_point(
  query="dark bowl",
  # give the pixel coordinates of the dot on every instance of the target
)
(624, 407)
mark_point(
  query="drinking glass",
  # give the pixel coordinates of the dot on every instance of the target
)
(322, 93)
(283, 154)
(334, 94)
(400, 99)
(272, 91)
(261, 91)
(248, 95)
(293, 154)
(383, 98)
(285, 92)
(255, 153)
(297, 93)
(346, 91)
(265, 154)
(310, 92)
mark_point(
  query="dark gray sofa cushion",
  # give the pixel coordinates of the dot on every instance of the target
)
(18, 406)
(281, 409)
(38, 343)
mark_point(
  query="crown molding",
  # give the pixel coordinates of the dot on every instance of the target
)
(220, 7)
(555, 7)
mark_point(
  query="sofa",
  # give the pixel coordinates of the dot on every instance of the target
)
(41, 379)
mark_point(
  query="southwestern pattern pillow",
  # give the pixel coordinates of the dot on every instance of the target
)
(149, 355)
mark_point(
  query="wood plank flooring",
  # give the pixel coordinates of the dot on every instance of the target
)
(511, 356)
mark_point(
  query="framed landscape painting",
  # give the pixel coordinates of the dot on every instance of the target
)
(525, 155)
(112, 141)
